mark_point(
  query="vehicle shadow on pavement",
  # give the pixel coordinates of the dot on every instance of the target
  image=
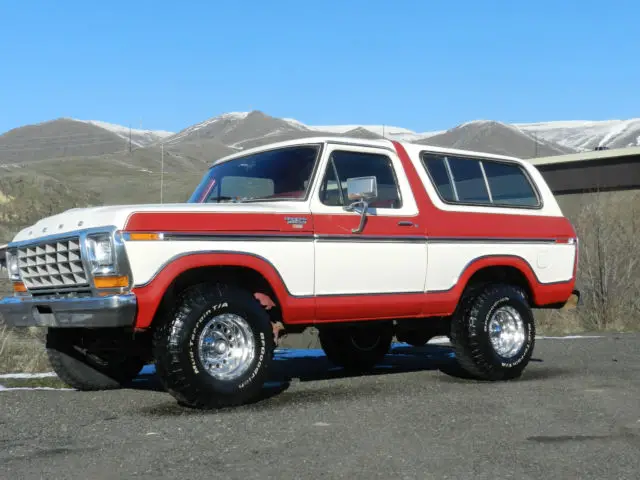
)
(312, 365)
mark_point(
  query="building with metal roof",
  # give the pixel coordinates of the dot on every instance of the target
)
(598, 170)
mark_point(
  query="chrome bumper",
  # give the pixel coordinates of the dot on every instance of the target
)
(109, 311)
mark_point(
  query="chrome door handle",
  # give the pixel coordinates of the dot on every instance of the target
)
(405, 224)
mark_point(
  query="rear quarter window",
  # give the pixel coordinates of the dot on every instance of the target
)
(509, 185)
(480, 181)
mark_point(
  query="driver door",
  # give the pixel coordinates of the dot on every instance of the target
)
(387, 259)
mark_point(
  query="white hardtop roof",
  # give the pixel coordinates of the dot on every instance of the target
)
(411, 148)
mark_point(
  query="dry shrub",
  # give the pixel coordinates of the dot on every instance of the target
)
(609, 266)
(22, 351)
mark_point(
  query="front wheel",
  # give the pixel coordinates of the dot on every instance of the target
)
(215, 348)
(493, 333)
(357, 348)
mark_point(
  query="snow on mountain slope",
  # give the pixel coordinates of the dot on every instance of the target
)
(587, 135)
(139, 137)
(224, 122)
(387, 131)
(572, 134)
(495, 137)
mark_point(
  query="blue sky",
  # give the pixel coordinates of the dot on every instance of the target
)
(424, 65)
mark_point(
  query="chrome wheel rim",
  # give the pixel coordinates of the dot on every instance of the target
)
(226, 346)
(507, 331)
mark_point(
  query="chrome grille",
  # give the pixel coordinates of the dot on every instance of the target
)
(52, 265)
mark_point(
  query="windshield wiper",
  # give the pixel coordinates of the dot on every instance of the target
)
(218, 198)
(266, 199)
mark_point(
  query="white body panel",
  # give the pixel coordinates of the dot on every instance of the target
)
(447, 261)
(293, 260)
(366, 267)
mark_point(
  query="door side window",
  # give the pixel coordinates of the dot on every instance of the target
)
(345, 164)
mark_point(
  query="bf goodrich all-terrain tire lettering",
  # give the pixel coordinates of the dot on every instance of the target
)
(470, 333)
(84, 371)
(176, 347)
(356, 348)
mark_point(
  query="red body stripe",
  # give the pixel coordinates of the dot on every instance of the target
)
(232, 222)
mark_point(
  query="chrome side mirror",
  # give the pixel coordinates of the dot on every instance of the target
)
(361, 191)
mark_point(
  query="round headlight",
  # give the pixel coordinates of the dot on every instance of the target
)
(12, 266)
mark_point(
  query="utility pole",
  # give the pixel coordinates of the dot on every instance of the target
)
(162, 174)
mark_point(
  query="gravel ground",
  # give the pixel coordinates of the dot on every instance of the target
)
(574, 414)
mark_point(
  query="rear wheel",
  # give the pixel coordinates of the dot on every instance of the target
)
(90, 360)
(493, 333)
(215, 348)
(357, 348)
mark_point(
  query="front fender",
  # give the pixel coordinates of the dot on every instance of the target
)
(151, 294)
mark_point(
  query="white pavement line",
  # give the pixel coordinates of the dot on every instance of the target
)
(9, 389)
(27, 375)
(569, 337)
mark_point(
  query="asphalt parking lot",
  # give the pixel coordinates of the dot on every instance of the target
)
(574, 414)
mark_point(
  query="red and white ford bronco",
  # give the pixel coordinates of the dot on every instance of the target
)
(363, 239)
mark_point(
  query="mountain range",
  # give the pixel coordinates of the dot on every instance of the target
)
(63, 163)
(68, 138)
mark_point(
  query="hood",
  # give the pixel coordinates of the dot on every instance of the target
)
(116, 216)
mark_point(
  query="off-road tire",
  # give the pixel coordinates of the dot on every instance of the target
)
(340, 344)
(175, 347)
(84, 370)
(470, 336)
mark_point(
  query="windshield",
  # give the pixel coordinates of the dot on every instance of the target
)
(280, 174)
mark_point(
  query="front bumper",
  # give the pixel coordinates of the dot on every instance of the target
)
(108, 311)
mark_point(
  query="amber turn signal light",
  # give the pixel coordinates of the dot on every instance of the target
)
(145, 236)
(111, 282)
(19, 287)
